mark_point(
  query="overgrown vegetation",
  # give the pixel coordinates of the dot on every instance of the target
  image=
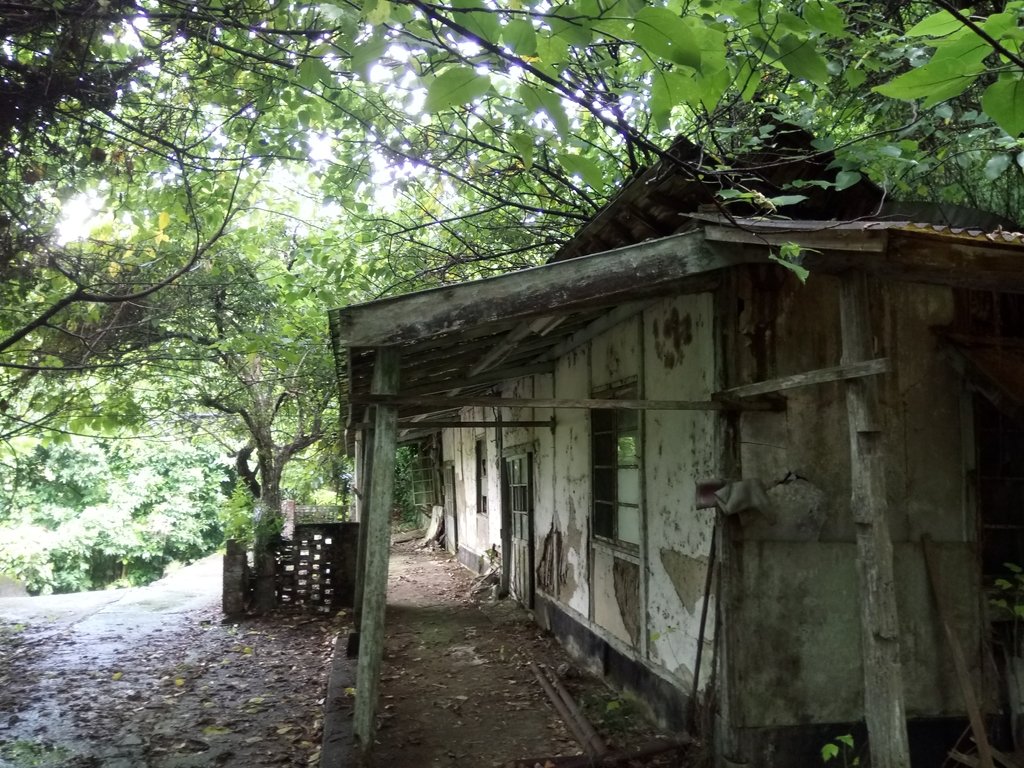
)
(88, 514)
(188, 186)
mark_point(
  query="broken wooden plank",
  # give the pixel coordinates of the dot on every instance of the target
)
(484, 401)
(974, 715)
(810, 378)
(601, 279)
(884, 709)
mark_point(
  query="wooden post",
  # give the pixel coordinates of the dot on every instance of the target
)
(506, 510)
(884, 710)
(375, 577)
(365, 474)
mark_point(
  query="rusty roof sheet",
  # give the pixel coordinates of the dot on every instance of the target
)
(782, 226)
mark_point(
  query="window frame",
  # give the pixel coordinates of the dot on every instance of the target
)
(481, 475)
(610, 464)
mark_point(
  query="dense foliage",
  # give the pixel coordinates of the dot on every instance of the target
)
(186, 187)
(86, 514)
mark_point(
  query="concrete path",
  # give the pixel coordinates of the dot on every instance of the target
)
(73, 638)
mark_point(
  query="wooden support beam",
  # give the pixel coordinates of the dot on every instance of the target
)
(602, 279)
(884, 709)
(825, 239)
(483, 401)
(503, 348)
(484, 379)
(820, 376)
(506, 506)
(371, 636)
(605, 322)
(363, 478)
(457, 424)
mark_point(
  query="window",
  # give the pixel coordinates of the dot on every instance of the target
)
(615, 466)
(481, 477)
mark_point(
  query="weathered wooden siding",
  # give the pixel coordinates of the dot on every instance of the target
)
(797, 587)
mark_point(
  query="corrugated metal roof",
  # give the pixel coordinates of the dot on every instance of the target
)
(781, 226)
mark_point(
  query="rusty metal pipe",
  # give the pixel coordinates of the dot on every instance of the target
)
(566, 714)
(597, 745)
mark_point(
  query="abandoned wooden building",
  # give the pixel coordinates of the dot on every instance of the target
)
(779, 505)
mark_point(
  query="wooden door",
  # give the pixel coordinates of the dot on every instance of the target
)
(451, 529)
(519, 497)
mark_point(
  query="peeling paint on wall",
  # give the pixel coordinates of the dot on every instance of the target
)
(573, 544)
(670, 336)
(552, 572)
(687, 575)
(626, 578)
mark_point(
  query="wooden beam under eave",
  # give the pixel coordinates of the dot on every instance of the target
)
(930, 259)
(602, 279)
(482, 401)
(857, 240)
(820, 376)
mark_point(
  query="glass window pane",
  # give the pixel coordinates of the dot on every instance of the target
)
(604, 520)
(602, 420)
(628, 421)
(604, 485)
(629, 486)
(604, 450)
(627, 449)
(628, 524)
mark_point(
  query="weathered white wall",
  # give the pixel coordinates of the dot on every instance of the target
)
(679, 450)
(647, 600)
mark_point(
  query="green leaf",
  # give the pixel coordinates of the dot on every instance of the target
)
(781, 200)
(520, 36)
(584, 167)
(666, 35)
(312, 71)
(800, 56)
(477, 18)
(935, 81)
(994, 168)
(539, 99)
(377, 12)
(523, 144)
(937, 25)
(1003, 101)
(846, 179)
(572, 24)
(668, 90)
(455, 86)
(825, 16)
(829, 752)
(366, 55)
(854, 77)
(789, 257)
(846, 739)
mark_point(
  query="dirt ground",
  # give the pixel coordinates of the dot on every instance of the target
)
(457, 688)
(152, 679)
